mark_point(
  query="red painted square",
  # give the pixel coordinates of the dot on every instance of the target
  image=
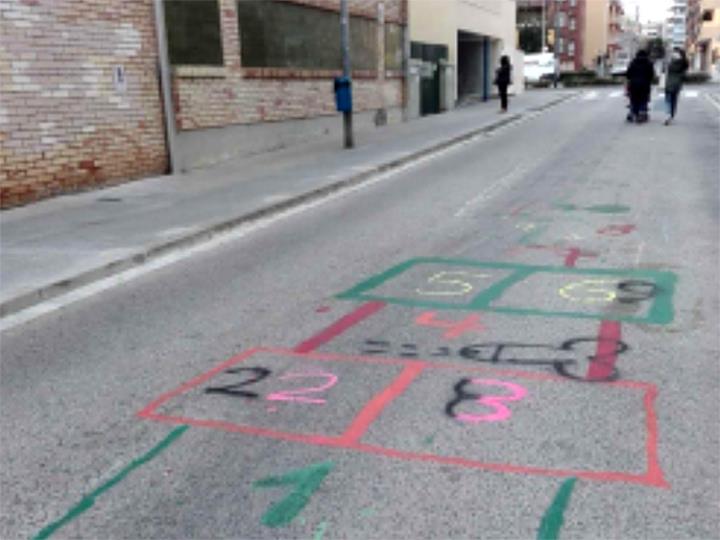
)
(403, 374)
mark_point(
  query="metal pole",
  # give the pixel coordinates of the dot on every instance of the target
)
(542, 28)
(345, 46)
(165, 85)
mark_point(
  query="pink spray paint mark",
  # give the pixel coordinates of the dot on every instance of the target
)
(300, 394)
(501, 411)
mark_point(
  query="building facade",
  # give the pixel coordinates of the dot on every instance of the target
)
(575, 30)
(456, 46)
(265, 77)
(80, 95)
(616, 15)
(706, 50)
(79, 99)
(677, 23)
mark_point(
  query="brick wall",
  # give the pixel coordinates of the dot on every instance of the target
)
(63, 123)
(214, 97)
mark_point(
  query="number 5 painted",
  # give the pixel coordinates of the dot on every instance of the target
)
(501, 412)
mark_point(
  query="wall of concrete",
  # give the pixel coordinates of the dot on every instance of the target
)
(438, 22)
(595, 32)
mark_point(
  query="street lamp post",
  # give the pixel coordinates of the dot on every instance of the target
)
(345, 46)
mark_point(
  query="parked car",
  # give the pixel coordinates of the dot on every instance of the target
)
(539, 66)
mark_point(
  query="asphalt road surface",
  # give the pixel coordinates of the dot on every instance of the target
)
(515, 339)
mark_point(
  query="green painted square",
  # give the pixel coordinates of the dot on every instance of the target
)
(660, 312)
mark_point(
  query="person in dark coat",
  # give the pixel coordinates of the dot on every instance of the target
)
(503, 79)
(640, 75)
(674, 80)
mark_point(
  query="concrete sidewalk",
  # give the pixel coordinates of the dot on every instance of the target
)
(54, 246)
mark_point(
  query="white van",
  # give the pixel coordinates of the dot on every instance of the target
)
(538, 65)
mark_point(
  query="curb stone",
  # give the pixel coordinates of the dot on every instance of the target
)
(59, 288)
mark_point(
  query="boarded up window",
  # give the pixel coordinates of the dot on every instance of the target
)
(393, 47)
(284, 35)
(193, 31)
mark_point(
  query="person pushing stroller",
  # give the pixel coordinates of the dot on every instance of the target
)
(640, 75)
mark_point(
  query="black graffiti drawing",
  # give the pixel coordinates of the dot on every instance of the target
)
(460, 396)
(258, 374)
(634, 291)
(559, 357)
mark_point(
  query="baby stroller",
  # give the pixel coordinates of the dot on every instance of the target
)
(638, 105)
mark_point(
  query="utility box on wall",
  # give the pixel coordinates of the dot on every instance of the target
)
(412, 105)
(447, 85)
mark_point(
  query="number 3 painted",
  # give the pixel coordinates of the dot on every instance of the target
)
(501, 412)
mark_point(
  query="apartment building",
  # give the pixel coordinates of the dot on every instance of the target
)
(615, 41)
(677, 23)
(576, 30)
(707, 47)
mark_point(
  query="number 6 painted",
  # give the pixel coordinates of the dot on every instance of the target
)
(501, 412)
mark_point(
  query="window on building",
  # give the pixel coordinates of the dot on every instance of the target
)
(193, 32)
(707, 15)
(393, 47)
(572, 23)
(560, 19)
(284, 35)
(571, 48)
(573, 3)
(561, 45)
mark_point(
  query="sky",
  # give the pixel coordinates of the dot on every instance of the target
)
(650, 10)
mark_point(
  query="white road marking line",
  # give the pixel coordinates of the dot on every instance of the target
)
(641, 247)
(218, 239)
(488, 192)
(715, 102)
(593, 94)
(616, 94)
(690, 94)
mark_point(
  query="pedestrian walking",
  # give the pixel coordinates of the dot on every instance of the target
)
(503, 79)
(674, 80)
(640, 75)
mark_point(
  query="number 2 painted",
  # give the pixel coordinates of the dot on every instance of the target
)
(299, 394)
(500, 412)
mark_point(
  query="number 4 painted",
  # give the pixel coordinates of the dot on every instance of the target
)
(453, 329)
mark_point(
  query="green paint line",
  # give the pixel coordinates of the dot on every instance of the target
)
(89, 500)
(532, 236)
(497, 289)
(608, 208)
(378, 279)
(367, 512)
(660, 311)
(552, 521)
(427, 441)
(320, 531)
(306, 481)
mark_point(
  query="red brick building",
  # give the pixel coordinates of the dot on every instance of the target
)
(81, 102)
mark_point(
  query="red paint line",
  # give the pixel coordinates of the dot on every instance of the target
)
(605, 352)
(330, 357)
(648, 479)
(654, 471)
(609, 476)
(573, 254)
(412, 368)
(375, 406)
(338, 327)
(196, 381)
